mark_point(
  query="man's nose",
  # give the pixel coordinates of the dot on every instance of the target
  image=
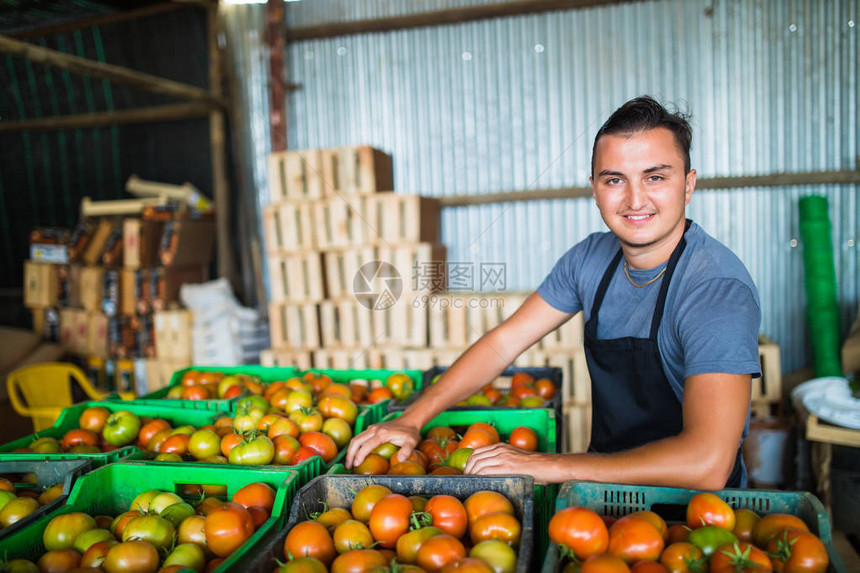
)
(636, 198)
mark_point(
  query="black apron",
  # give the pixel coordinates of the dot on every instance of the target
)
(632, 400)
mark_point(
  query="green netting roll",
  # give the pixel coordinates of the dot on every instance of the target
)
(822, 310)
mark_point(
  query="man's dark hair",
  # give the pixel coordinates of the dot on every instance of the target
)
(644, 113)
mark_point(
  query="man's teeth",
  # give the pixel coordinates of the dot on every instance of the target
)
(638, 217)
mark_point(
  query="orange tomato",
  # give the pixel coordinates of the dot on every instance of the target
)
(198, 392)
(310, 539)
(94, 418)
(149, 430)
(190, 378)
(320, 443)
(227, 527)
(545, 388)
(379, 394)
(256, 494)
(487, 428)
(525, 438)
(521, 379)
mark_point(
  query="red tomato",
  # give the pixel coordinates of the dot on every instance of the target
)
(320, 443)
(59, 560)
(94, 418)
(359, 561)
(545, 389)
(745, 522)
(521, 379)
(635, 539)
(176, 444)
(310, 539)
(195, 393)
(604, 563)
(502, 526)
(285, 449)
(379, 394)
(227, 527)
(484, 502)
(255, 494)
(79, 437)
(648, 567)
(439, 551)
(365, 500)
(794, 551)
(389, 519)
(772, 524)
(525, 438)
(494, 434)
(683, 557)
(448, 514)
(740, 558)
(150, 429)
(373, 464)
(708, 509)
(440, 434)
(131, 556)
(580, 530)
(677, 532)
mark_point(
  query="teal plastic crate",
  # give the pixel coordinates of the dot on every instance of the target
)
(541, 420)
(47, 475)
(670, 503)
(111, 489)
(266, 374)
(68, 420)
(339, 490)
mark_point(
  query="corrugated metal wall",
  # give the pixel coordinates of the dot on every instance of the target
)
(514, 103)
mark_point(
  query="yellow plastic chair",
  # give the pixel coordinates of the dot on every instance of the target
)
(43, 391)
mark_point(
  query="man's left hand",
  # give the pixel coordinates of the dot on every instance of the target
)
(504, 459)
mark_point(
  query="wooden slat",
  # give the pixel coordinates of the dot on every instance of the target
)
(342, 266)
(346, 221)
(297, 278)
(818, 431)
(295, 175)
(407, 218)
(289, 227)
(274, 357)
(294, 327)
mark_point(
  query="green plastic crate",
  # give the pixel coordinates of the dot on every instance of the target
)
(339, 490)
(266, 374)
(670, 503)
(541, 420)
(47, 475)
(68, 420)
(111, 489)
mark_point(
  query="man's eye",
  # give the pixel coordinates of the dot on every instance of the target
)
(613, 181)
(655, 178)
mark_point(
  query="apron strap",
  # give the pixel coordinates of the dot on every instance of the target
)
(591, 325)
(664, 285)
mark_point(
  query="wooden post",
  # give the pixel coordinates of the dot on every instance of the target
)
(220, 184)
(104, 71)
(175, 112)
(276, 40)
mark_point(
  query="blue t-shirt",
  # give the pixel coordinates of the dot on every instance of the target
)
(712, 314)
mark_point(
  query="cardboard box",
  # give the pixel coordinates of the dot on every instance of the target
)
(160, 371)
(97, 335)
(73, 330)
(96, 244)
(173, 334)
(164, 283)
(141, 242)
(851, 348)
(187, 243)
(41, 285)
(91, 287)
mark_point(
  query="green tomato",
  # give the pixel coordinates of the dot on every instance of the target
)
(154, 530)
(386, 450)
(6, 497)
(168, 458)
(162, 501)
(531, 402)
(187, 430)
(459, 458)
(17, 509)
(298, 399)
(142, 501)
(478, 400)
(711, 537)
(90, 537)
(338, 430)
(258, 451)
(21, 566)
(84, 449)
(408, 543)
(247, 417)
(253, 401)
(121, 428)
(500, 556)
(62, 531)
(204, 443)
(177, 513)
(46, 445)
(187, 555)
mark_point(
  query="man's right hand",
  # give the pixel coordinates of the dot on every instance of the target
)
(397, 432)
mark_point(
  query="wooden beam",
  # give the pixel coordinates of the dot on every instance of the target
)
(218, 141)
(104, 71)
(276, 43)
(438, 18)
(177, 112)
(104, 20)
(774, 180)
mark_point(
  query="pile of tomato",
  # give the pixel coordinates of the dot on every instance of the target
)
(442, 451)
(524, 392)
(715, 539)
(98, 431)
(159, 532)
(17, 504)
(387, 532)
(214, 385)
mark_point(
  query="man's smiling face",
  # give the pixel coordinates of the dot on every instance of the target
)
(641, 189)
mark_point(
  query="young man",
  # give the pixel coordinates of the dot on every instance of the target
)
(672, 320)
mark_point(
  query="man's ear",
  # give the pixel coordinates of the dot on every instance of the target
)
(689, 186)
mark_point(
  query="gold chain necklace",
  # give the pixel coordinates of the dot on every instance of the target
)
(627, 274)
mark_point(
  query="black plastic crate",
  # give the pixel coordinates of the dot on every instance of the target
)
(339, 491)
(551, 373)
(48, 474)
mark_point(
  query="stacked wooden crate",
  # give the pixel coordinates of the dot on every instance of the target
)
(332, 212)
